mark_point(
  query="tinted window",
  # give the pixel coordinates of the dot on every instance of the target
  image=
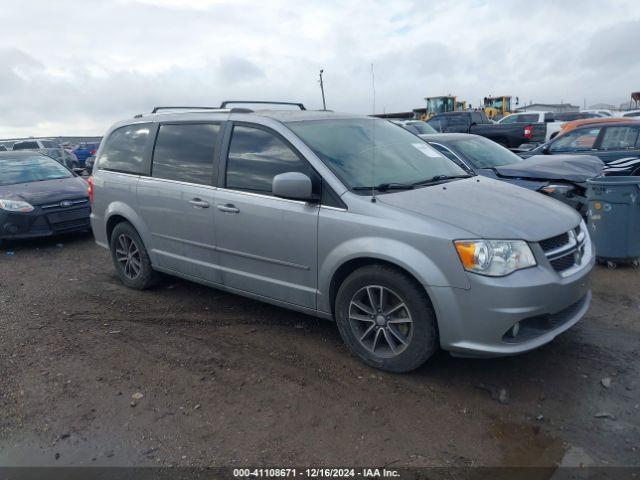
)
(439, 124)
(185, 153)
(124, 150)
(632, 114)
(256, 156)
(509, 119)
(14, 170)
(576, 141)
(26, 146)
(527, 118)
(477, 117)
(420, 128)
(618, 138)
(457, 120)
(49, 144)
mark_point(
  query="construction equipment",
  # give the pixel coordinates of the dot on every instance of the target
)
(443, 104)
(461, 106)
(497, 107)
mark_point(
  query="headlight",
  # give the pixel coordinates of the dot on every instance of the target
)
(15, 206)
(495, 258)
(561, 189)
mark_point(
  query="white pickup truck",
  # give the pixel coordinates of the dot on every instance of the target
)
(536, 116)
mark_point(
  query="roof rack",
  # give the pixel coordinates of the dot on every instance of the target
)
(261, 102)
(157, 109)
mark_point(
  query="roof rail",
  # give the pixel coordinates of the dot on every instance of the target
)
(156, 109)
(261, 102)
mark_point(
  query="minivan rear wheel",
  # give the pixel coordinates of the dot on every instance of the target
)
(130, 258)
(385, 318)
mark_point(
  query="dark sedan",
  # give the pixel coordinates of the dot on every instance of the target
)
(616, 144)
(563, 177)
(40, 197)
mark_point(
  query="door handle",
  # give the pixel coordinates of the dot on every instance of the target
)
(228, 208)
(196, 202)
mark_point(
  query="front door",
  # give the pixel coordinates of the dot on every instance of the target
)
(178, 200)
(267, 245)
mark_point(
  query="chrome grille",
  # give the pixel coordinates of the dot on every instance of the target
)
(565, 251)
(74, 202)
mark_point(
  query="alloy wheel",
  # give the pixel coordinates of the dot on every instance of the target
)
(128, 256)
(380, 320)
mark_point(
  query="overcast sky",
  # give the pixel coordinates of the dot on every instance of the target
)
(73, 67)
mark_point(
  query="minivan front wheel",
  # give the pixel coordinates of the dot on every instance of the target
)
(386, 319)
(130, 258)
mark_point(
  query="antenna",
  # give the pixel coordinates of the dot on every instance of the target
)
(324, 105)
(373, 137)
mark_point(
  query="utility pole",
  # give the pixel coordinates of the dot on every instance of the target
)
(324, 104)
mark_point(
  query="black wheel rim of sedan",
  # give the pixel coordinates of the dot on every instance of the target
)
(128, 256)
(380, 320)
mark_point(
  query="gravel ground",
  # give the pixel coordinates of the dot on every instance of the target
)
(92, 373)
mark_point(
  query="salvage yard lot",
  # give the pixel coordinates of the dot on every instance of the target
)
(229, 381)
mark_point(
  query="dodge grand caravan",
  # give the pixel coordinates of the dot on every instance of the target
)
(344, 217)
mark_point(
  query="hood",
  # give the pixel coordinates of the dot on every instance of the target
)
(572, 168)
(488, 209)
(47, 191)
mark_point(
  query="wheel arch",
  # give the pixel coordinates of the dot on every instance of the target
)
(120, 212)
(351, 265)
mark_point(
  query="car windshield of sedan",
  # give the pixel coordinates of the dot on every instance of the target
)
(482, 152)
(423, 128)
(37, 168)
(366, 152)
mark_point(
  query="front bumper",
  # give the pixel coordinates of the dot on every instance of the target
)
(478, 321)
(43, 222)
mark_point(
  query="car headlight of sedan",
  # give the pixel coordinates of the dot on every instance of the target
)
(494, 258)
(15, 206)
(557, 188)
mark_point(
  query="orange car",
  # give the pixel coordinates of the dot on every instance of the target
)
(568, 126)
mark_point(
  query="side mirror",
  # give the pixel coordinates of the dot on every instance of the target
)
(78, 171)
(545, 148)
(294, 185)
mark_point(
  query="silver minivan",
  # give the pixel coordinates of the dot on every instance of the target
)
(343, 217)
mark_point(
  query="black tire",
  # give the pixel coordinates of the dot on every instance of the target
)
(139, 275)
(420, 334)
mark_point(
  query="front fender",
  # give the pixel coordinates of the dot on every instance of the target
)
(443, 270)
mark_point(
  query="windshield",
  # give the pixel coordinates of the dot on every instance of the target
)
(423, 128)
(368, 152)
(482, 152)
(35, 168)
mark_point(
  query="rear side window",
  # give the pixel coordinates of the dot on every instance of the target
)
(256, 156)
(26, 146)
(438, 123)
(576, 141)
(477, 117)
(527, 118)
(185, 153)
(124, 150)
(619, 138)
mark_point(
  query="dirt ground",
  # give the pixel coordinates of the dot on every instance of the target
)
(227, 381)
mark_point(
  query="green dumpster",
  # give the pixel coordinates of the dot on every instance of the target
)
(614, 218)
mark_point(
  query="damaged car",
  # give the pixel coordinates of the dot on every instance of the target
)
(563, 177)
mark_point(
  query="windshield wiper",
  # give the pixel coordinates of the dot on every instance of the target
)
(440, 178)
(383, 187)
